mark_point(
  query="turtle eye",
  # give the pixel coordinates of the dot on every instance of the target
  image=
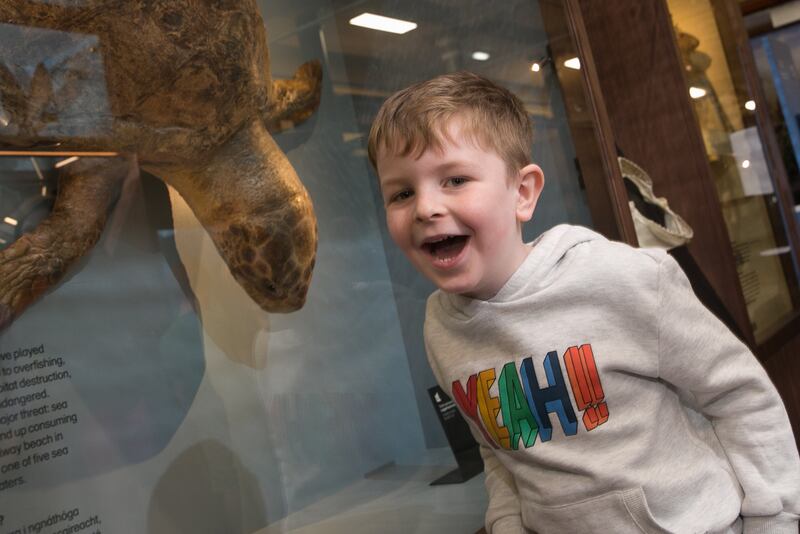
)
(269, 288)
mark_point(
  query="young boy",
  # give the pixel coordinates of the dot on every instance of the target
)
(605, 397)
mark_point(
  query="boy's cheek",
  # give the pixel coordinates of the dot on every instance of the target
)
(401, 236)
(402, 244)
(394, 229)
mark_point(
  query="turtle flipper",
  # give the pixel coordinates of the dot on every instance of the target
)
(39, 259)
(295, 100)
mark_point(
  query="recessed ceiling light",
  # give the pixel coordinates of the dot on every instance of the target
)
(536, 67)
(697, 92)
(750, 104)
(746, 164)
(351, 136)
(384, 24)
(480, 56)
(573, 63)
(10, 220)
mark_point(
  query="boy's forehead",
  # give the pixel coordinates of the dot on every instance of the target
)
(395, 167)
(460, 131)
(450, 132)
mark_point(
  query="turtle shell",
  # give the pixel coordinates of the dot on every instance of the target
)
(168, 79)
(184, 86)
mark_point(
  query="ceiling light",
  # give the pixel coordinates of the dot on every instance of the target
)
(750, 104)
(775, 251)
(384, 24)
(536, 67)
(351, 136)
(573, 63)
(37, 169)
(696, 92)
(480, 56)
(10, 220)
(746, 164)
(64, 162)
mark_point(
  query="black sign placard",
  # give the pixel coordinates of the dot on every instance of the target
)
(463, 445)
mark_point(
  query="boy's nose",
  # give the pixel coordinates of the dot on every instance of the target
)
(428, 206)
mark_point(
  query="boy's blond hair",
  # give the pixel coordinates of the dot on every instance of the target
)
(414, 119)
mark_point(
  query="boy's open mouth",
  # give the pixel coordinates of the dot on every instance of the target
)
(446, 248)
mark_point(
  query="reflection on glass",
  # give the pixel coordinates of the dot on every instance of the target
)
(232, 419)
(363, 67)
(53, 88)
(777, 56)
(27, 190)
(725, 113)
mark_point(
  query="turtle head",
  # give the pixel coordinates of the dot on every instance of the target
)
(272, 255)
(250, 200)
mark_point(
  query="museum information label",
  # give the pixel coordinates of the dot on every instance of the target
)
(34, 424)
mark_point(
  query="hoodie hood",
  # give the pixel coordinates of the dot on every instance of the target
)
(540, 267)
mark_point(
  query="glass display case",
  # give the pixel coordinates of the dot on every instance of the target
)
(166, 364)
(775, 53)
(745, 174)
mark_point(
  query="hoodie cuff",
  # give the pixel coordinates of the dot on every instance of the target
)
(510, 524)
(776, 524)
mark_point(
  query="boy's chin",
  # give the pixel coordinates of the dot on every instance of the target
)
(448, 286)
(464, 289)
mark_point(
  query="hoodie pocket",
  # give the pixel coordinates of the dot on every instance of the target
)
(621, 512)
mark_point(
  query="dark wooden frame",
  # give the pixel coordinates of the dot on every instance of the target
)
(642, 79)
(626, 32)
(619, 122)
(594, 96)
(751, 6)
(731, 25)
(590, 128)
(617, 38)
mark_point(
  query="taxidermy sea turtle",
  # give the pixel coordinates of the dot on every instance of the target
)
(182, 89)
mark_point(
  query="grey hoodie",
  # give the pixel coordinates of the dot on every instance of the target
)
(606, 398)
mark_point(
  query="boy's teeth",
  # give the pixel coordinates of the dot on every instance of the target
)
(446, 248)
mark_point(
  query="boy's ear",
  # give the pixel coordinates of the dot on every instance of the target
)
(530, 181)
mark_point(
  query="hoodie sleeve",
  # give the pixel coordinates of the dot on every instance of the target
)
(503, 515)
(699, 354)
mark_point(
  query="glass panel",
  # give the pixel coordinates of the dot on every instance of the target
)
(146, 390)
(743, 179)
(776, 55)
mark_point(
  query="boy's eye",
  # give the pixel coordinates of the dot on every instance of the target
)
(456, 181)
(401, 195)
